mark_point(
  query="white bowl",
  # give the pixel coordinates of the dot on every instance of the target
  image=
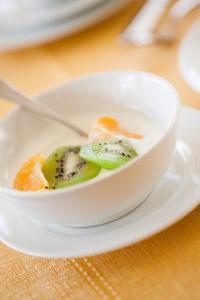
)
(101, 199)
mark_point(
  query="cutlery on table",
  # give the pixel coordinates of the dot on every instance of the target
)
(168, 30)
(141, 30)
(157, 21)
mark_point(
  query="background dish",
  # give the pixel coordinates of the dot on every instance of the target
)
(34, 14)
(60, 27)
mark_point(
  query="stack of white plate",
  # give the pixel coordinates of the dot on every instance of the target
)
(29, 22)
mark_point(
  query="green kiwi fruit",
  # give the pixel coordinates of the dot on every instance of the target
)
(109, 154)
(64, 167)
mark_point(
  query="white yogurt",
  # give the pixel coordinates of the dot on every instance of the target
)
(48, 137)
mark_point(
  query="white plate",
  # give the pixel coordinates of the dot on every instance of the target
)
(60, 28)
(189, 56)
(35, 15)
(175, 196)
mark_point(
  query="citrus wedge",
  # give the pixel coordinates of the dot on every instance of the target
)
(30, 176)
(107, 128)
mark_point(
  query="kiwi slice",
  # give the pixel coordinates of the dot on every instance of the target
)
(64, 167)
(109, 154)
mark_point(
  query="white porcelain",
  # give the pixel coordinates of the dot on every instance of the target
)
(101, 199)
(33, 14)
(189, 56)
(177, 193)
(59, 28)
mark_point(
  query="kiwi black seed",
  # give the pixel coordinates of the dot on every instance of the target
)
(64, 167)
(108, 154)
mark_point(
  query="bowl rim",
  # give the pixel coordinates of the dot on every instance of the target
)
(38, 194)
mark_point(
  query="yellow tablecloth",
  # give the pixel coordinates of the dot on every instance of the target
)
(165, 266)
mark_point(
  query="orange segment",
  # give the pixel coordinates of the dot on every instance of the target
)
(30, 176)
(107, 127)
(102, 128)
(108, 122)
(129, 134)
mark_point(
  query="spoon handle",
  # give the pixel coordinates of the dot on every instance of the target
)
(9, 92)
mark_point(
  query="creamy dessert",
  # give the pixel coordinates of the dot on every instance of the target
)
(112, 142)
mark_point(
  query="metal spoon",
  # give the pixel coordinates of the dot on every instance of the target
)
(9, 92)
(141, 30)
(168, 30)
(157, 22)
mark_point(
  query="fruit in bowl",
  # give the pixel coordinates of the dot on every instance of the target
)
(140, 103)
(69, 165)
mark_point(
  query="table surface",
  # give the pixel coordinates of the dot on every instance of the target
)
(165, 266)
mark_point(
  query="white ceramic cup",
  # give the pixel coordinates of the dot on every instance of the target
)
(101, 199)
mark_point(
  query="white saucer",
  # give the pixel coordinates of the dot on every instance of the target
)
(175, 196)
(189, 56)
(61, 27)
